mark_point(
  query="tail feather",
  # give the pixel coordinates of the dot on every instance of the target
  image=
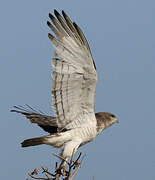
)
(34, 141)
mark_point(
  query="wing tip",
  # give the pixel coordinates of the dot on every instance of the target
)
(50, 36)
(48, 23)
(51, 16)
(56, 13)
(63, 13)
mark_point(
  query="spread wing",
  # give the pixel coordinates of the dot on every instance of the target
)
(47, 123)
(74, 73)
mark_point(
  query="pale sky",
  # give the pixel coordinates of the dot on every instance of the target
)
(121, 35)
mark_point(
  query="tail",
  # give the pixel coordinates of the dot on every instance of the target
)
(34, 141)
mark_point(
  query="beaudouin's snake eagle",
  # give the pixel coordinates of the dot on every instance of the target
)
(74, 81)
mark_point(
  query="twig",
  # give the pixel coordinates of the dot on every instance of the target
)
(34, 177)
(77, 160)
(45, 171)
(75, 171)
(60, 157)
(70, 164)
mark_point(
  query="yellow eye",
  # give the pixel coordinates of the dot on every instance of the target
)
(112, 116)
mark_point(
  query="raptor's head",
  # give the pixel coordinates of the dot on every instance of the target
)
(104, 120)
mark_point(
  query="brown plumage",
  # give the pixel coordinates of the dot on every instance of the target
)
(47, 123)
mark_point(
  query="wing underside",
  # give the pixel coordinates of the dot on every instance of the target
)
(74, 73)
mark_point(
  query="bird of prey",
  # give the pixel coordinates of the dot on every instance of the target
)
(74, 80)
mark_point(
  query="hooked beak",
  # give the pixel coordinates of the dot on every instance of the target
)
(117, 121)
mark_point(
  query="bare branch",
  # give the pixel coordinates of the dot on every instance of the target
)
(34, 177)
(60, 157)
(75, 172)
(67, 172)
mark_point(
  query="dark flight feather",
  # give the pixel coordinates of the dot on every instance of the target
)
(47, 123)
